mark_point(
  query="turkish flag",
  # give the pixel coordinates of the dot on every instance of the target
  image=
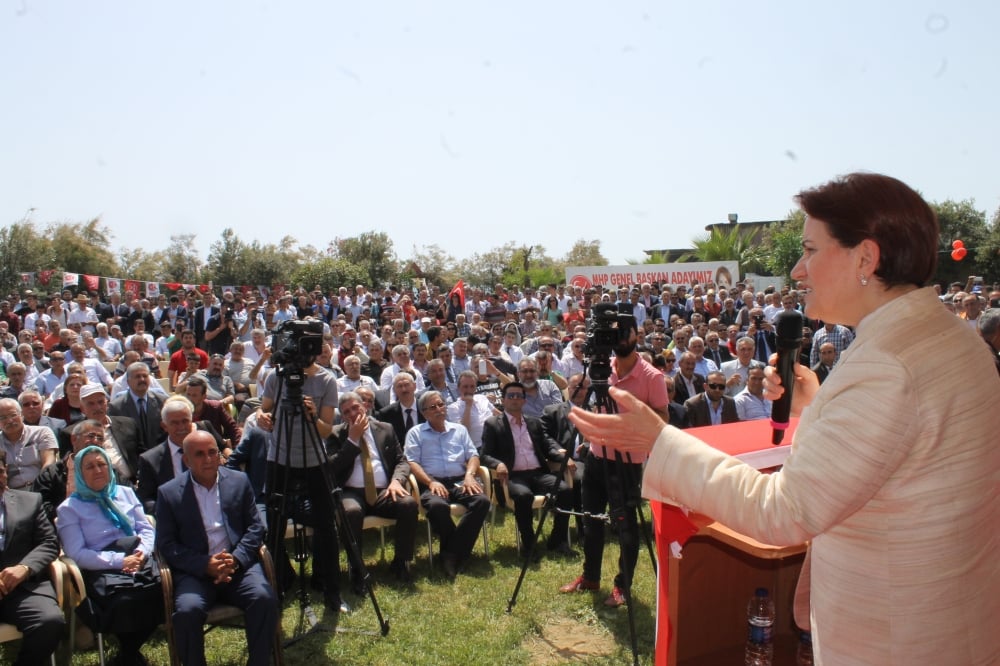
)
(91, 282)
(459, 289)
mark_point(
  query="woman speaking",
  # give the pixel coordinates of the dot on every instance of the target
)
(894, 468)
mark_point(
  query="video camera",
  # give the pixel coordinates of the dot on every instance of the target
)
(295, 345)
(606, 329)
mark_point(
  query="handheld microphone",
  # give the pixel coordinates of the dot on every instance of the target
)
(788, 333)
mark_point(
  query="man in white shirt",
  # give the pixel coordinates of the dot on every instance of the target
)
(751, 404)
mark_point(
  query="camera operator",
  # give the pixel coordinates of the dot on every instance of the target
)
(293, 461)
(608, 483)
(220, 331)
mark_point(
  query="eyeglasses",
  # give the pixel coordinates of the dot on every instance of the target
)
(717, 387)
(4, 418)
(514, 396)
(670, 360)
(92, 437)
(436, 405)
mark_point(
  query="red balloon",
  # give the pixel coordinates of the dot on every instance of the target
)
(958, 253)
(957, 244)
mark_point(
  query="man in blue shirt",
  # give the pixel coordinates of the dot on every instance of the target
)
(445, 462)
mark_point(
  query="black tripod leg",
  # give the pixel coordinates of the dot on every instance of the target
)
(351, 543)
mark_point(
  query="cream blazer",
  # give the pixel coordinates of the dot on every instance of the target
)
(893, 474)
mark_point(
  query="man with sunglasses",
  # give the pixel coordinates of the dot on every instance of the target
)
(712, 406)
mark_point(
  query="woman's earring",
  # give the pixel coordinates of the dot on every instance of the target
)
(864, 280)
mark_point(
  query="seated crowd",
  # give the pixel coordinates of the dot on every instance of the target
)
(116, 412)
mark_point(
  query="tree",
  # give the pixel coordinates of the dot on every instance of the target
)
(959, 220)
(520, 271)
(329, 273)
(584, 253)
(82, 248)
(226, 259)
(731, 244)
(371, 251)
(435, 265)
(271, 264)
(141, 265)
(488, 268)
(783, 243)
(22, 250)
(180, 260)
(988, 262)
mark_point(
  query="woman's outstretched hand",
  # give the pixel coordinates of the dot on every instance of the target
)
(634, 430)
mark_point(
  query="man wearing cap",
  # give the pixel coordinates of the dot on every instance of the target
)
(162, 346)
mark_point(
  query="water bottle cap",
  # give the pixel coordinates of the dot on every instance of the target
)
(761, 592)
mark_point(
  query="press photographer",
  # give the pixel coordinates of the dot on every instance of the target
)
(220, 331)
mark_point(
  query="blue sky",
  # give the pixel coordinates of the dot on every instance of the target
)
(468, 124)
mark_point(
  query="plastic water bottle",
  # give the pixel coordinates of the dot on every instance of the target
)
(804, 655)
(760, 628)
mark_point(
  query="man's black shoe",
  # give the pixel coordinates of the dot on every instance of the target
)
(450, 565)
(337, 605)
(402, 571)
(563, 549)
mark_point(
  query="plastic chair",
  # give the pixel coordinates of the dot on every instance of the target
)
(457, 510)
(539, 501)
(77, 593)
(219, 614)
(8, 632)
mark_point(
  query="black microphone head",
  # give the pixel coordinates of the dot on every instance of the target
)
(788, 326)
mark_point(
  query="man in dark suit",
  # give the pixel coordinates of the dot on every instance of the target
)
(122, 438)
(516, 449)
(119, 314)
(687, 382)
(141, 405)
(163, 462)
(402, 414)
(674, 408)
(200, 317)
(827, 357)
(28, 544)
(715, 351)
(374, 479)
(560, 430)
(217, 564)
(104, 311)
(711, 407)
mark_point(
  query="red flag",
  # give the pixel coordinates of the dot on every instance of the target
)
(91, 282)
(45, 276)
(459, 289)
(132, 290)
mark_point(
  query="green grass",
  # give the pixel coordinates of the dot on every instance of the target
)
(439, 622)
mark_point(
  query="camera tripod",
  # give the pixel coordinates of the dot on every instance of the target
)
(298, 487)
(620, 512)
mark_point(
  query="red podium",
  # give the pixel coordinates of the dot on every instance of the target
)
(702, 595)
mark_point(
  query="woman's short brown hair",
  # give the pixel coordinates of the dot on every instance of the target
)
(862, 206)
